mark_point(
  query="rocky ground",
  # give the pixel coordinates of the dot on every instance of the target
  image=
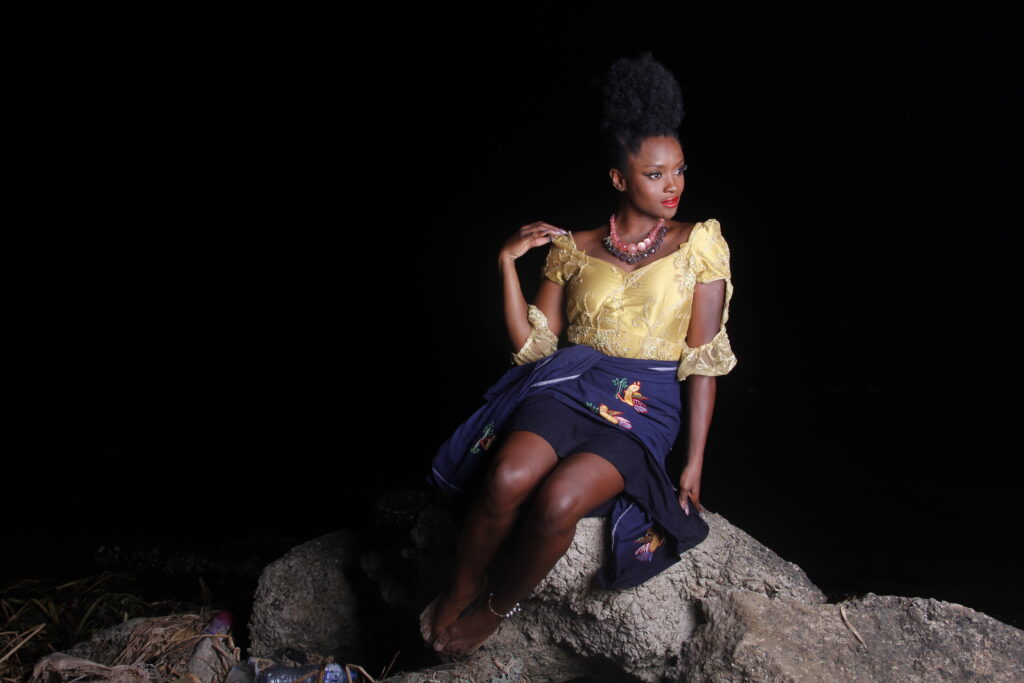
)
(730, 610)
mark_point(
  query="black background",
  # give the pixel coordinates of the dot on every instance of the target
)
(264, 281)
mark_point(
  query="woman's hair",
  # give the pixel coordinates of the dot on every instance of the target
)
(641, 99)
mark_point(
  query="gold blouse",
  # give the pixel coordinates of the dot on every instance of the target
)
(640, 314)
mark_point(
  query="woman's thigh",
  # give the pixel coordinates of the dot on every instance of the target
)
(521, 462)
(576, 486)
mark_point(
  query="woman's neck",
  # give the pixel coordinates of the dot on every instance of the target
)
(632, 226)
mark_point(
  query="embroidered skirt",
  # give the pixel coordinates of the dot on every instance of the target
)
(637, 399)
(569, 432)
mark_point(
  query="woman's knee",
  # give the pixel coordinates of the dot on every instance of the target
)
(558, 507)
(513, 475)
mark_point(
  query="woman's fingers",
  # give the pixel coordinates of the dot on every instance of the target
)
(688, 498)
(541, 226)
(530, 236)
(538, 236)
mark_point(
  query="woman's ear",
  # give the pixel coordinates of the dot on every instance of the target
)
(618, 181)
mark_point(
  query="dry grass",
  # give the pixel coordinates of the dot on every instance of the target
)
(38, 616)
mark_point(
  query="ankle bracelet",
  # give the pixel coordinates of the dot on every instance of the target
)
(515, 608)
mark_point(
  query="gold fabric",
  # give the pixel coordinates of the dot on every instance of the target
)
(645, 313)
(541, 342)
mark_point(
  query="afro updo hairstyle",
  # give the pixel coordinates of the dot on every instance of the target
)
(641, 99)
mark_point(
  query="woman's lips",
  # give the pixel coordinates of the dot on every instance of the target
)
(671, 202)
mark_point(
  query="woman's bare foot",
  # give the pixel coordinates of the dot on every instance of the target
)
(450, 605)
(469, 632)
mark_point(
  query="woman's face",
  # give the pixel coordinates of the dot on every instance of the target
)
(653, 176)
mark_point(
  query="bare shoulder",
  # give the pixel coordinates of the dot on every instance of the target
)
(587, 238)
(680, 231)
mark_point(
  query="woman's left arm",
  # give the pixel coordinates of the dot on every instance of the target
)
(705, 321)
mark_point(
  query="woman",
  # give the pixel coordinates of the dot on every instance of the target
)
(584, 430)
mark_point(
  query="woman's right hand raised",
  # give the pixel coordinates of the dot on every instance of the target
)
(527, 237)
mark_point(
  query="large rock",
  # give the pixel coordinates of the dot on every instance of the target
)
(729, 610)
(748, 637)
(638, 633)
(570, 626)
(501, 669)
(305, 601)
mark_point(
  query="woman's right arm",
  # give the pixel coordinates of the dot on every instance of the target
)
(550, 294)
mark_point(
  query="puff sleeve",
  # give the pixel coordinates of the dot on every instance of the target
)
(711, 262)
(553, 264)
(564, 260)
(542, 342)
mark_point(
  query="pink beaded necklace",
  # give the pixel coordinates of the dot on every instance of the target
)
(634, 251)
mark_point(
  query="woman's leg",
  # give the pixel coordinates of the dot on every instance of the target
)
(578, 485)
(520, 464)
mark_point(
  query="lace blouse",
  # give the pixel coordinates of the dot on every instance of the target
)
(640, 314)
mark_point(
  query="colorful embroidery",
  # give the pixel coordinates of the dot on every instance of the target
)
(650, 541)
(629, 393)
(613, 416)
(485, 441)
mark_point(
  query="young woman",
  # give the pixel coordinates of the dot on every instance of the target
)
(584, 430)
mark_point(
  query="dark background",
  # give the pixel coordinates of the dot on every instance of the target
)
(279, 293)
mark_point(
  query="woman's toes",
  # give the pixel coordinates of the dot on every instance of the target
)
(441, 640)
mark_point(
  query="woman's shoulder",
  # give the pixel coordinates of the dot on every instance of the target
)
(704, 233)
(709, 226)
(588, 238)
(579, 240)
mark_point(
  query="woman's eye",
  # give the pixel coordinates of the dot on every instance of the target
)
(657, 174)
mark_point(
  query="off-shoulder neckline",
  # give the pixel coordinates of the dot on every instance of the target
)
(689, 238)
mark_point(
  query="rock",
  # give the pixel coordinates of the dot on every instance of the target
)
(638, 632)
(729, 610)
(508, 669)
(569, 626)
(305, 601)
(748, 637)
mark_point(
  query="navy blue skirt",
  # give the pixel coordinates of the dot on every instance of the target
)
(569, 432)
(550, 397)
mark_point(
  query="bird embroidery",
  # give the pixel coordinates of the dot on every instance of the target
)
(614, 416)
(484, 442)
(650, 541)
(630, 395)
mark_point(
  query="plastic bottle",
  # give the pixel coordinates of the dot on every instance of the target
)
(333, 673)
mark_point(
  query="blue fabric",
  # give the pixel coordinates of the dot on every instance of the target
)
(649, 530)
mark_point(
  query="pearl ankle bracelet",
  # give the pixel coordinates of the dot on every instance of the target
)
(515, 608)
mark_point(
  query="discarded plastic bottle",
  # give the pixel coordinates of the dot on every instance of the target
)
(333, 673)
(221, 623)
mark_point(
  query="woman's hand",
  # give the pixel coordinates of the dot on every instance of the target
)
(689, 487)
(527, 237)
